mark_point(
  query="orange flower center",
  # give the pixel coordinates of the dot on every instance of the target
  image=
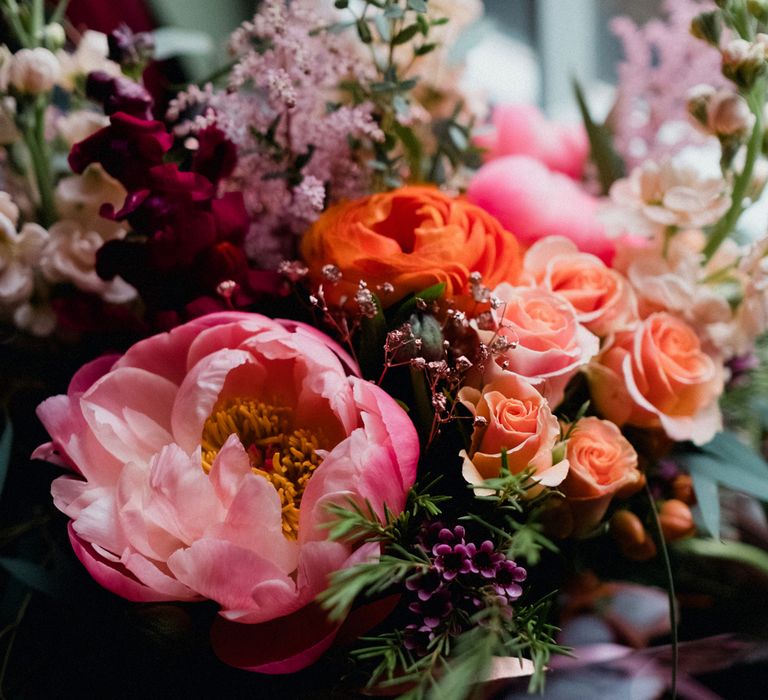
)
(286, 457)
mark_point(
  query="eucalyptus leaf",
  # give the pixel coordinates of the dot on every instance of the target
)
(406, 34)
(172, 41)
(734, 475)
(708, 498)
(727, 447)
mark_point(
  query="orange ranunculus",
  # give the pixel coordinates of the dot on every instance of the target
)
(412, 238)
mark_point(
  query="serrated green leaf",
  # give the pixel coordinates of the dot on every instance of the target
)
(708, 498)
(610, 166)
(5, 450)
(405, 34)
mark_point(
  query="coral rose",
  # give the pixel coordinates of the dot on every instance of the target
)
(205, 459)
(658, 376)
(411, 238)
(602, 465)
(602, 298)
(545, 342)
(514, 418)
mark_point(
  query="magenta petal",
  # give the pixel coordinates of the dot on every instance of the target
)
(284, 645)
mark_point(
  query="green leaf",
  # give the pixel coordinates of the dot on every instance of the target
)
(172, 41)
(373, 335)
(405, 34)
(407, 307)
(708, 498)
(458, 137)
(609, 165)
(394, 12)
(30, 574)
(5, 450)
(412, 145)
(729, 462)
(364, 31)
(738, 552)
(382, 25)
(341, 4)
(424, 49)
(730, 449)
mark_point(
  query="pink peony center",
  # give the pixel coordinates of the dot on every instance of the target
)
(285, 456)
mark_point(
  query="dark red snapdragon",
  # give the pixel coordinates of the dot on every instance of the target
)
(119, 94)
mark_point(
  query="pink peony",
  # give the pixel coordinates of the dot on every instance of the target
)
(205, 459)
(532, 202)
(523, 130)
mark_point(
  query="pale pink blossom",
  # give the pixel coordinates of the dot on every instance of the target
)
(204, 460)
(33, 71)
(656, 196)
(90, 55)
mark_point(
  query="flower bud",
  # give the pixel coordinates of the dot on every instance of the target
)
(34, 70)
(707, 26)
(682, 489)
(698, 101)
(53, 36)
(676, 520)
(743, 61)
(631, 537)
(428, 336)
(729, 115)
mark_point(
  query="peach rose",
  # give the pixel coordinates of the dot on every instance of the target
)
(658, 376)
(547, 344)
(516, 418)
(411, 238)
(602, 465)
(602, 298)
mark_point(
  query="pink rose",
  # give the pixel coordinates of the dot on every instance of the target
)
(532, 202)
(515, 418)
(602, 298)
(602, 465)
(205, 459)
(524, 130)
(658, 376)
(546, 343)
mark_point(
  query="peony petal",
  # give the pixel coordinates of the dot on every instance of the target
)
(228, 470)
(283, 645)
(198, 394)
(128, 411)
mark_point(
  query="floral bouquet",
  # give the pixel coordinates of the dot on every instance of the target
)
(365, 387)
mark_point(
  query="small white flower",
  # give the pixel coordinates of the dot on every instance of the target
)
(90, 55)
(79, 125)
(34, 71)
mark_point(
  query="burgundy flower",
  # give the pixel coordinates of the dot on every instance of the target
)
(126, 149)
(216, 155)
(119, 94)
(434, 610)
(426, 584)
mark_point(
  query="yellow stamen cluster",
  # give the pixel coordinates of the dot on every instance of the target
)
(286, 457)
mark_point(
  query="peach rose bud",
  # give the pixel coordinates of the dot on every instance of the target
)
(676, 520)
(631, 537)
(603, 465)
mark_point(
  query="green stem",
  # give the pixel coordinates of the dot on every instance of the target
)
(725, 226)
(670, 588)
(34, 138)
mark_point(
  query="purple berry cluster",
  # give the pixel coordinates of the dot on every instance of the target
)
(461, 576)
